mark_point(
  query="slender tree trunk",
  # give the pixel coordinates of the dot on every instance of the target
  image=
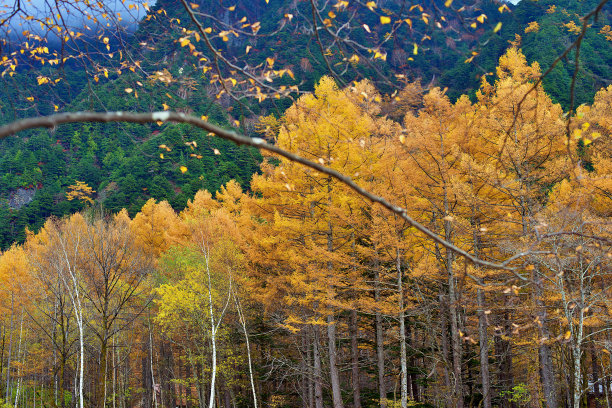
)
(354, 331)
(75, 299)
(62, 381)
(576, 355)
(114, 370)
(452, 307)
(248, 347)
(578, 338)
(380, 351)
(402, 331)
(18, 354)
(146, 375)
(455, 338)
(153, 384)
(333, 367)
(213, 334)
(331, 321)
(547, 376)
(484, 350)
(304, 370)
(100, 385)
(606, 382)
(503, 349)
(595, 373)
(188, 391)
(10, 350)
(410, 334)
(445, 352)
(310, 370)
(318, 374)
(482, 328)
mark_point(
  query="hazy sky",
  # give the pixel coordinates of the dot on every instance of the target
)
(73, 12)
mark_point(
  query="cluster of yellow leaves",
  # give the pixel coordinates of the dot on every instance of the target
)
(572, 27)
(532, 27)
(80, 191)
(606, 32)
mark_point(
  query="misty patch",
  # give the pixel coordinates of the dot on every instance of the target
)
(51, 20)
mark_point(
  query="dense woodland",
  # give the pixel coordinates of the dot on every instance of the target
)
(121, 161)
(304, 294)
(159, 266)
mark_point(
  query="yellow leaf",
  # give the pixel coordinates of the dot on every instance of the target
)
(128, 90)
(498, 27)
(216, 151)
(232, 8)
(270, 61)
(248, 48)
(448, 3)
(194, 5)
(30, 98)
(183, 169)
(161, 155)
(385, 20)
(567, 335)
(208, 30)
(367, 28)
(481, 18)
(166, 107)
(371, 5)
(381, 55)
(204, 117)
(184, 41)
(415, 49)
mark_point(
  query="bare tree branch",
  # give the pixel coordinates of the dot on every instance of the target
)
(52, 121)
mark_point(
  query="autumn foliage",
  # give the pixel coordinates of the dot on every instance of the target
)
(301, 292)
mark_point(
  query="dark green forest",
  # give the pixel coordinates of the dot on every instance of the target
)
(124, 163)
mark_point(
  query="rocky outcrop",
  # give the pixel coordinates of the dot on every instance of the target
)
(21, 197)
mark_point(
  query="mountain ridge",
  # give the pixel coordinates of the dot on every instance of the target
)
(126, 165)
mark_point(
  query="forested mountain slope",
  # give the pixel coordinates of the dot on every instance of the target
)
(301, 293)
(125, 165)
